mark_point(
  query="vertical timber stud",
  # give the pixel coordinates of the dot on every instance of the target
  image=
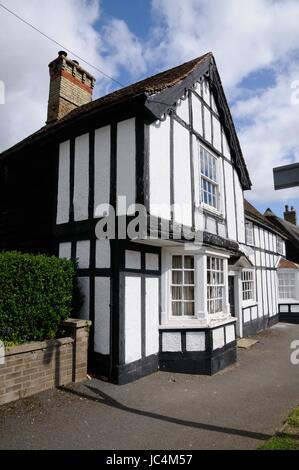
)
(72, 179)
(92, 260)
(115, 278)
(140, 159)
(192, 166)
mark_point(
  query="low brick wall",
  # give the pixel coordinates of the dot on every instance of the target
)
(34, 367)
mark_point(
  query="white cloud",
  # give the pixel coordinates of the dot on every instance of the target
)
(24, 56)
(245, 38)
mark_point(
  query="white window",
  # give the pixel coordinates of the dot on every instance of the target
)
(215, 284)
(247, 285)
(280, 245)
(209, 179)
(182, 286)
(286, 285)
(249, 233)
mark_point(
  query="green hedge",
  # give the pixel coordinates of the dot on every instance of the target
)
(36, 294)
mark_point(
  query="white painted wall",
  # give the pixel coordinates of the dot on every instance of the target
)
(197, 114)
(83, 254)
(195, 341)
(182, 110)
(63, 201)
(152, 315)
(65, 250)
(230, 201)
(171, 342)
(239, 209)
(103, 256)
(81, 181)
(102, 152)
(102, 315)
(132, 319)
(83, 283)
(182, 176)
(133, 259)
(126, 161)
(159, 169)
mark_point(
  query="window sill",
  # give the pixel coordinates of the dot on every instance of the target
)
(210, 210)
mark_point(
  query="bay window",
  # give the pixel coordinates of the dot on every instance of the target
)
(247, 285)
(286, 285)
(215, 284)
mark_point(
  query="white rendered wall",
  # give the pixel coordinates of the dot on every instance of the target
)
(63, 198)
(182, 176)
(83, 254)
(102, 152)
(126, 160)
(230, 201)
(65, 250)
(152, 315)
(197, 114)
(103, 256)
(132, 319)
(102, 315)
(239, 209)
(182, 110)
(84, 289)
(81, 182)
(159, 169)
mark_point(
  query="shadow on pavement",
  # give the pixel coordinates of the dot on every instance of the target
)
(105, 399)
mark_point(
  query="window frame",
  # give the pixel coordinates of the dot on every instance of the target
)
(251, 282)
(219, 285)
(182, 286)
(214, 182)
(249, 242)
(293, 286)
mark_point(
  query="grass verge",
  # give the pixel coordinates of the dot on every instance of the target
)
(288, 437)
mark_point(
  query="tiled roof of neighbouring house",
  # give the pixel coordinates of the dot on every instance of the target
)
(290, 230)
(286, 264)
(254, 214)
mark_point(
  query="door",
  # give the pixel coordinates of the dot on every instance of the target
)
(231, 294)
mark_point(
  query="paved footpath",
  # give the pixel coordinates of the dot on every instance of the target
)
(235, 409)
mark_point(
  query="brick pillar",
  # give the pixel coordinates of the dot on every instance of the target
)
(79, 331)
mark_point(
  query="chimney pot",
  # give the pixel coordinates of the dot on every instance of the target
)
(290, 215)
(62, 53)
(76, 62)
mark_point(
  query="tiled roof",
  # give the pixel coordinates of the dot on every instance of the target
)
(146, 87)
(286, 264)
(253, 213)
(289, 229)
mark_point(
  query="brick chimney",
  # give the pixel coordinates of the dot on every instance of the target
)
(290, 215)
(70, 87)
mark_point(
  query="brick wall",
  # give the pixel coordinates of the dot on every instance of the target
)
(39, 366)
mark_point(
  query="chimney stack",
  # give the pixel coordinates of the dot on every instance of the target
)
(290, 215)
(70, 87)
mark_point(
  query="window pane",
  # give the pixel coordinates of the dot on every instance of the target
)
(188, 293)
(177, 277)
(189, 262)
(176, 293)
(189, 308)
(177, 262)
(177, 308)
(189, 277)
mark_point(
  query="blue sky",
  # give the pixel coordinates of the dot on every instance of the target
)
(256, 50)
